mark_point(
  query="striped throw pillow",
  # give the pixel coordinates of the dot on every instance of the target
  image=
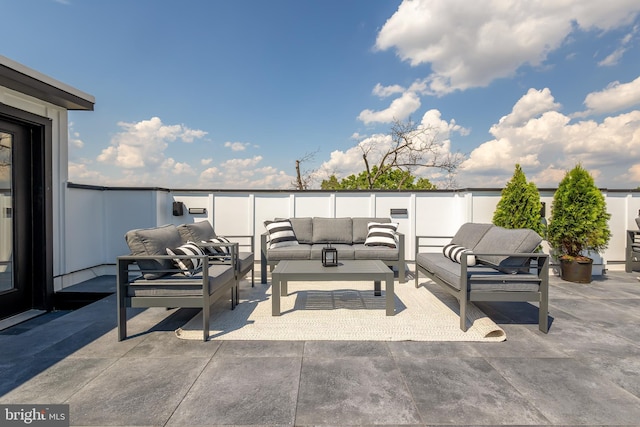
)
(189, 266)
(217, 250)
(382, 234)
(454, 253)
(280, 234)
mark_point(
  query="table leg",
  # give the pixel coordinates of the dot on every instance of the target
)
(377, 289)
(275, 295)
(391, 303)
(284, 288)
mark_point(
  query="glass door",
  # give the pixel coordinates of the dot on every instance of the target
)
(15, 286)
(6, 213)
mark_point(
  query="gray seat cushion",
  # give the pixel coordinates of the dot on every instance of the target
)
(289, 252)
(245, 261)
(176, 285)
(344, 251)
(153, 241)
(383, 253)
(449, 271)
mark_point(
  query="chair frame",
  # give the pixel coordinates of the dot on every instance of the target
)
(128, 266)
(539, 262)
(632, 257)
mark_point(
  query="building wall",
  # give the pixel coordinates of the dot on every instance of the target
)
(97, 219)
(59, 127)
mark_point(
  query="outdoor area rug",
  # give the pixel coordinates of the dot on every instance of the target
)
(341, 311)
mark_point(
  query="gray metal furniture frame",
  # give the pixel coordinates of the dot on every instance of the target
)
(243, 270)
(264, 261)
(632, 256)
(128, 273)
(469, 275)
(348, 270)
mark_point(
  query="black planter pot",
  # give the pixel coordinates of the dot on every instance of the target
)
(576, 271)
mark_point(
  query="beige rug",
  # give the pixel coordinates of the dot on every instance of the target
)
(344, 311)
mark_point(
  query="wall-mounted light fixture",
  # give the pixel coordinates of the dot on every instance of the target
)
(178, 208)
(198, 211)
(399, 212)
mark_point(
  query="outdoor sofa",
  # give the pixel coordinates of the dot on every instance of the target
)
(183, 266)
(352, 237)
(632, 256)
(483, 262)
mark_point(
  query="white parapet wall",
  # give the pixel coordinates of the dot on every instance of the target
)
(97, 218)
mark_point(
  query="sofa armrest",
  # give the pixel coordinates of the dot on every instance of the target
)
(243, 241)
(431, 242)
(541, 269)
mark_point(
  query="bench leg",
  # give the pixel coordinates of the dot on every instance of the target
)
(206, 312)
(122, 323)
(463, 314)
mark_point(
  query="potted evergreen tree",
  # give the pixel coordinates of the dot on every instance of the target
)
(579, 223)
(519, 205)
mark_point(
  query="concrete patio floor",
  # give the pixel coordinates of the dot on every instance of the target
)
(586, 371)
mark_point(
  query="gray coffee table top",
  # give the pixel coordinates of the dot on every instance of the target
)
(348, 270)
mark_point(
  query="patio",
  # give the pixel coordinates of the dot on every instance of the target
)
(586, 371)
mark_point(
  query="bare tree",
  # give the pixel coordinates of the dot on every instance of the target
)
(412, 147)
(304, 179)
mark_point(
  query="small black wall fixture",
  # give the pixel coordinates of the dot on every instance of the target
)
(399, 212)
(178, 208)
(197, 211)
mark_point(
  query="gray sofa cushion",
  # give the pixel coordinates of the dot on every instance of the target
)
(449, 271)
(383, 253)
(469, 234)
(153, 241)
(502, 240)
(289, 252)
(344, 251)
(219, 275)
(196, 232)
(332, 230)
(303, 227)
(361, 227)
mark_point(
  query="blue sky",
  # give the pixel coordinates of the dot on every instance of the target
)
(228, 94)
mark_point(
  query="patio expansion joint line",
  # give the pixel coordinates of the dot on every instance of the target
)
(523, 395)
(295, 408)
(404, 382)
(191, 386)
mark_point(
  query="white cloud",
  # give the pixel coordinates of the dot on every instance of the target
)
(548, 143)
(385, 91)
(400, 109)
(80, 172)
(529, 106)
(344, 163)
(237, 146)
(459, 38)
(615, 56)
(245, 174)
(205, 162)
(142, 145)
(615, 97)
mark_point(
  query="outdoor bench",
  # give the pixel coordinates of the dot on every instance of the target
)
(483, 262)
(632, 253)
(352, 237)
(150, 277)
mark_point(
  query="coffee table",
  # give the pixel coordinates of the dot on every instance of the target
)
(349, 270)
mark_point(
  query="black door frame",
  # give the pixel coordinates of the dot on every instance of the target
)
(35, 233)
